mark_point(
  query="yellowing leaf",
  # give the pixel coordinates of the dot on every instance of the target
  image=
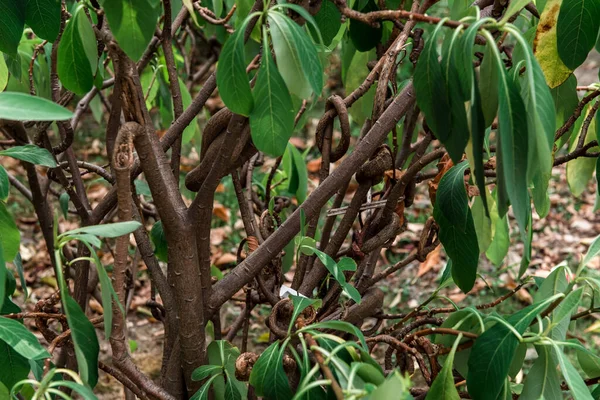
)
(545, 48)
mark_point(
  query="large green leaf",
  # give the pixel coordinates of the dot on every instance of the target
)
(488, 84)
(513, 144)
(11, 24)
(462, 248)
(84, 339)
(554, 283)
(272, 118)
(328, 20)
(43, 16)
(32, 154)
(14, 366)
(268, 378)
(577, 30)
(432, 96)
(579, 390)
(223, 354)
(589, 362)
(542, 381)
(452, 70)
(232, 80)
(443, 387)
(297, 58)
(493, 352)
(363, 36)
(21, 340)
(451, 196)
(457, 230)
(133, 23)
(24, 107)
(541, 120)
(77, 53)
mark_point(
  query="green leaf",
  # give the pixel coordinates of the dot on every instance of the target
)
(78, 54)
(3, 73)
(267, 376)
(4, 183)
(338, 274)
(204, 391)
(21, 340)
(541, 119)
(568, 305)
(24, 107)
(565, 103)
(339, 326)
(43, 16)
(542, 381)
(363, 36)
(443, 386)
(204, 371)
(106, 230)
(11, 24)
(488, 84)
(357, 71)
(272, 118)
(32, 154)
(328, 19)
(451, 197)
(192, 129)
(577, 30)
(514, 7)
(15, 367)
(579, 390)
(592, 251)
(459, 130)
(581, 170)
(300, 304)
(457, 230)
(477, 129)
(494, 350)
(10, 237)
(296, 171)
(589, 362)
(368, 372)
(84, 339)
(18, 263)
(64, 203)
(432, 96)
(224, 354)
(297, 58)
(232, 80)
(133, 23)
(545, 47)
(157, 235)
(231, 389)
(513, 144)
(483, 224)
(395, 386)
